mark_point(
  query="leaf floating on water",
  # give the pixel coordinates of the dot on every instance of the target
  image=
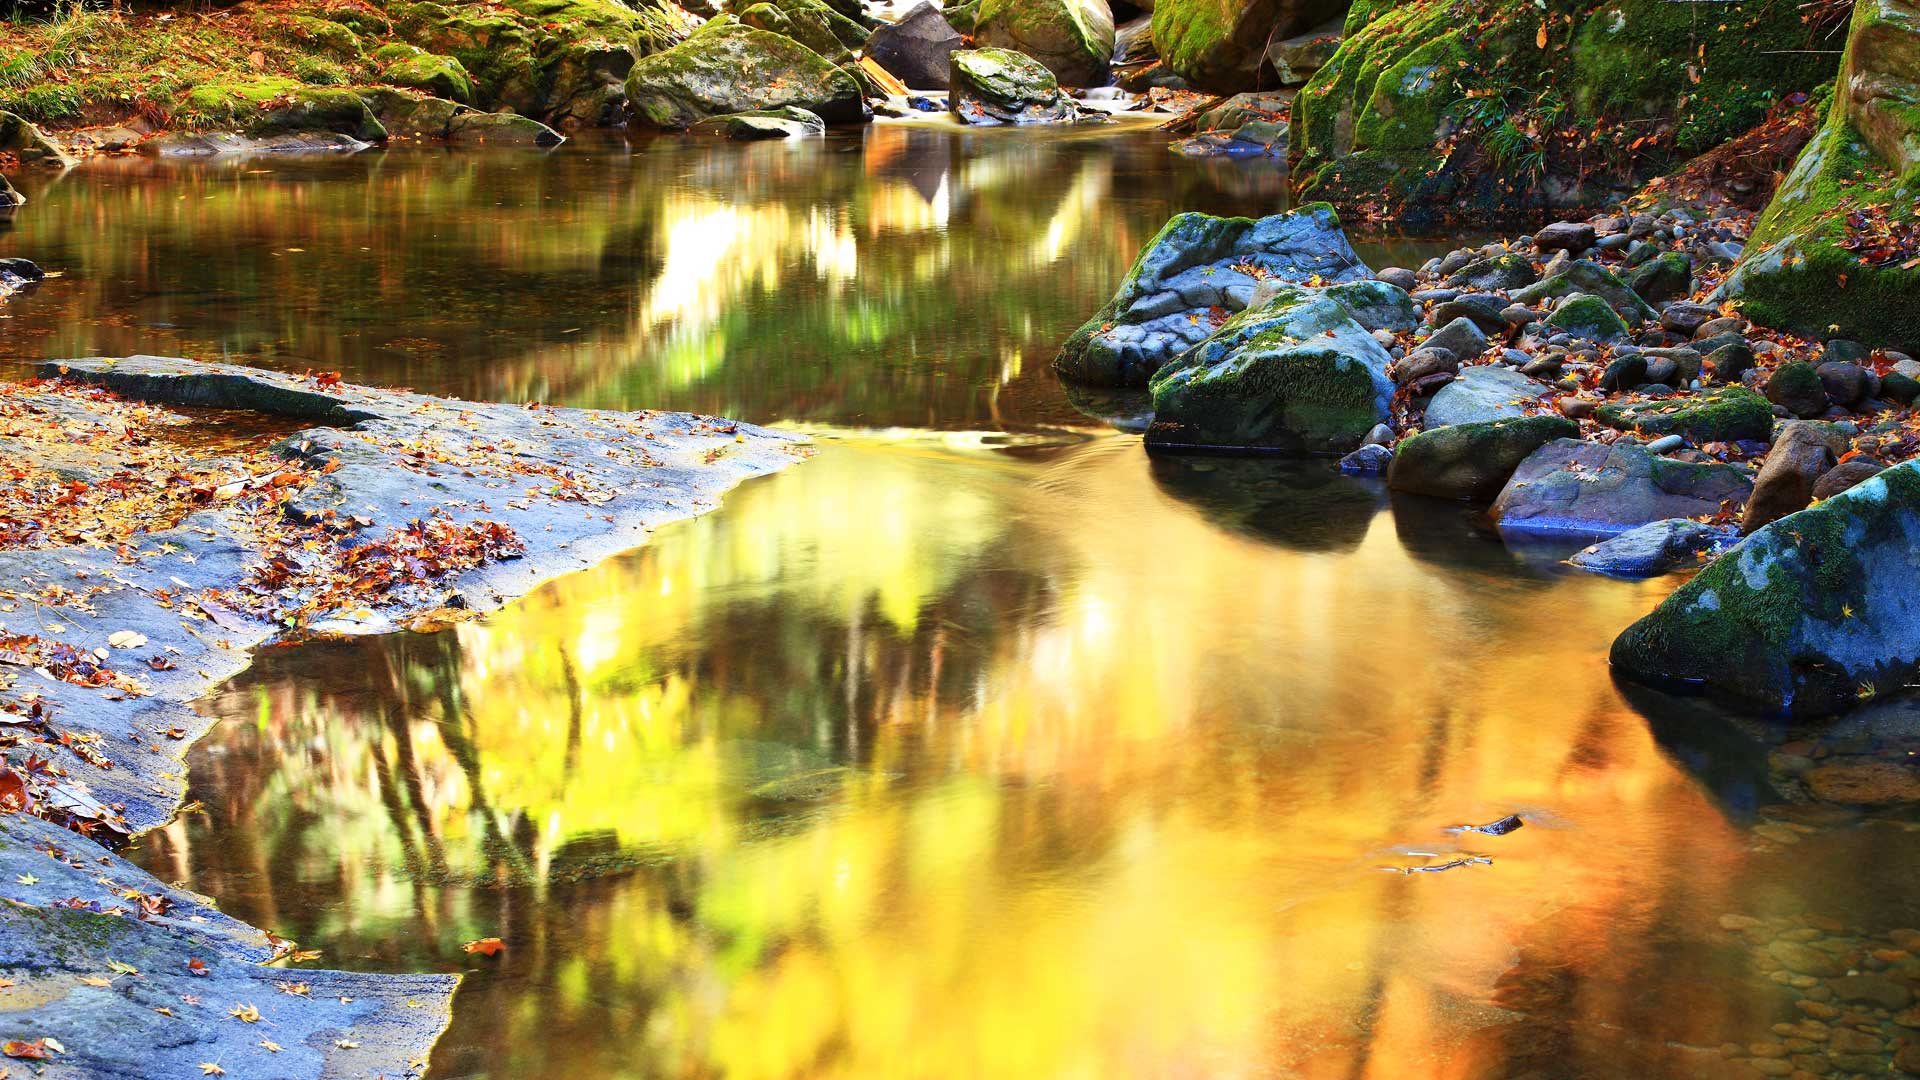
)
(486, 946)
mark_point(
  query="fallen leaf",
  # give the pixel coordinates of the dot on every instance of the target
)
(246, 1013)
(126, 639)
(486, 946)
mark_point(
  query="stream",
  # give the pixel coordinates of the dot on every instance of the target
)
(982, 744)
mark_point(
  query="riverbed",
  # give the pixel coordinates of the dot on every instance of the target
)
(982, 743)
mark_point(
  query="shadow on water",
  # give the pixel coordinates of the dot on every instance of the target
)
(1303, 505)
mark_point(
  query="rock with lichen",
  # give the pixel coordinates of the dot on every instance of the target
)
(1201, 269)
(1809, 616)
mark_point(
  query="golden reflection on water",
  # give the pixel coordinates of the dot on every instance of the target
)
(937, 759)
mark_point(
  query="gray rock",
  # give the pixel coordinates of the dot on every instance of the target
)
(1798, 388)
(1571, 236)
(918, 49)
(1372, 459)
(1844, 476)
(1484, 315)
(1846, 383)
(1656, 548)
(1460, 337)
(1398, 277)
(1423, 362)
(1487, 392)
(1684, 317)
(1581, 489)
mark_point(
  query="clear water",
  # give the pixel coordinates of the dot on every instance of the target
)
(980, 745)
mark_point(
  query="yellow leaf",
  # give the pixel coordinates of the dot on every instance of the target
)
(247, 1013)
(272, 1047)
(27, 879)
(208, 1068)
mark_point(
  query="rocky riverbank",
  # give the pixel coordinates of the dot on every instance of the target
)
(148, 550)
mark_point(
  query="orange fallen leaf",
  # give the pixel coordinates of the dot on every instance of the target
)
(486, 946)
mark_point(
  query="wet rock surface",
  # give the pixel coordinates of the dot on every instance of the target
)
(299, 540)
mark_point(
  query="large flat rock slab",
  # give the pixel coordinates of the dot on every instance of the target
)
(111, 625)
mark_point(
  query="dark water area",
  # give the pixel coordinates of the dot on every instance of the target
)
(982, 744)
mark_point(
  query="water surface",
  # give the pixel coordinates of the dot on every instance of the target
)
(980, 745)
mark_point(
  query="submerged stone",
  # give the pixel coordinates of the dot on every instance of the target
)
(1653, 549)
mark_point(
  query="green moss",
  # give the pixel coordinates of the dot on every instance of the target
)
(1720, 415)
(1450, 108)
(1588, 317)
(1474, 460)
(1764, 621)
(1796, 276)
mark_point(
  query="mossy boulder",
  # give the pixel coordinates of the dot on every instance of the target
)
(1435, 109)
(1813, 264)
(416, 69)
(264, 108)
(734, 69)
(787, 123)
(1472, 461)
(1588, 317)
(1073, 38)
(29, 143)
(409, 115)
(1295, 374)
(1724, 415)
(1809, 616)
(1000, 86)
(1586, 276)
(562, 62)
(1667, 276)
(811, 23)
(1220, 45)
(1197, 271)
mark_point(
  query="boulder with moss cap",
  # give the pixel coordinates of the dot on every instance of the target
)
(1199, 269)
(1293, 373)
(1809, 616)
